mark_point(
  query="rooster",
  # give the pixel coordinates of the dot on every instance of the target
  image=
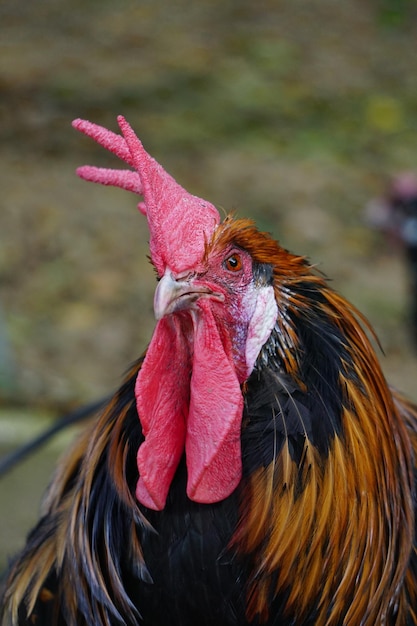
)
(253, 468)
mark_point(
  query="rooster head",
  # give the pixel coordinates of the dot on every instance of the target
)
(215, 308)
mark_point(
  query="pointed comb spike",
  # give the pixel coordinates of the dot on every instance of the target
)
(125, 179)
(105, 138)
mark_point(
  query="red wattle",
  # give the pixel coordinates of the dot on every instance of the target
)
(162, 397)
(213, 448)
(192, 403)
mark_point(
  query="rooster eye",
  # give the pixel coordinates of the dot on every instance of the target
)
(233, 263)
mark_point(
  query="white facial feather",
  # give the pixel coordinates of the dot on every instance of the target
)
(261, 323)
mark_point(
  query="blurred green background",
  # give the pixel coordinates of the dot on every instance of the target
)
(294, 113)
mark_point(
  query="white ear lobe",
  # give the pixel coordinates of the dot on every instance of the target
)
(260, 325)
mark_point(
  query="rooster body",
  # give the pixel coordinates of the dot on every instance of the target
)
(254, 467)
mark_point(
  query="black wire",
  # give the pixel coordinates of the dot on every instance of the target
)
(8, 461)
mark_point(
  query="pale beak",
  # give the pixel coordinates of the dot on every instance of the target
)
(173, 295)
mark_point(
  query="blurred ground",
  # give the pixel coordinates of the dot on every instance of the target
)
(293, 113)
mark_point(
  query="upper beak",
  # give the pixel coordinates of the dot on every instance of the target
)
(176, 295)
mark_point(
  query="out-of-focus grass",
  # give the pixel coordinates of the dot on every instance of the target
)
(292, 113)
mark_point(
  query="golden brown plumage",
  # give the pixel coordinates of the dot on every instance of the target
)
(308, 518)
(320, 529)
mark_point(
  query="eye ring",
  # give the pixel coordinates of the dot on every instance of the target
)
(233, 263)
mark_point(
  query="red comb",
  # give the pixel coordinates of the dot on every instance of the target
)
(179, 223)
